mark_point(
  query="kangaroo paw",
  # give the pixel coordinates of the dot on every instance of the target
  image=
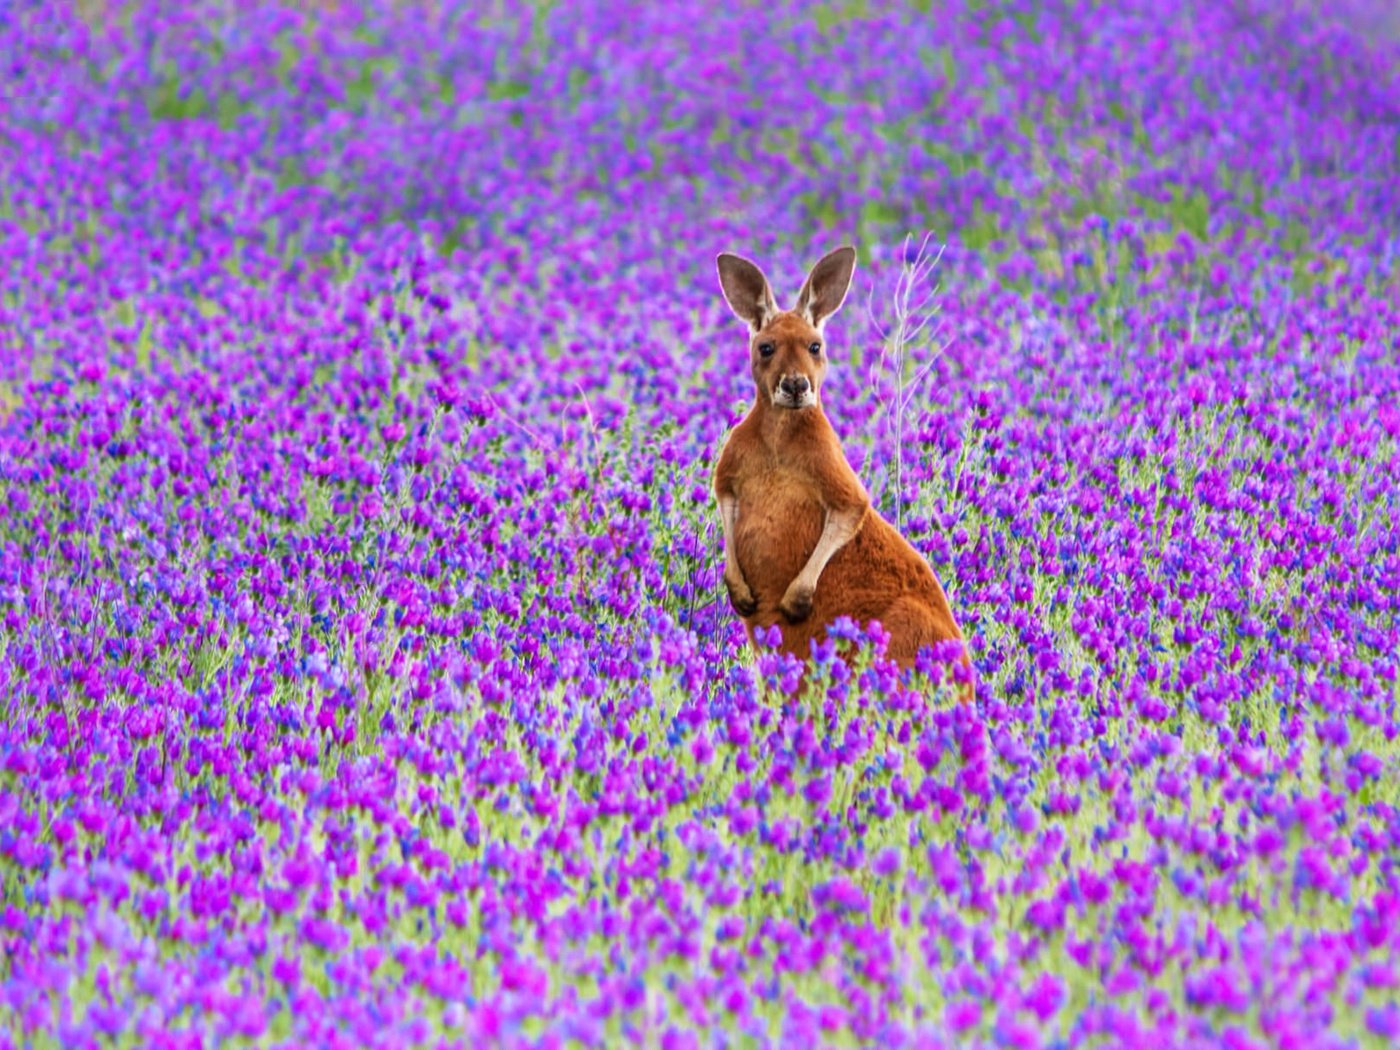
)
(740, 597)
(797, 603)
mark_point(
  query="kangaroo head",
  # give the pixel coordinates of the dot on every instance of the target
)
(787, 353)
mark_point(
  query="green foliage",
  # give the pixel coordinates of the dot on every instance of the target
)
(170, 99)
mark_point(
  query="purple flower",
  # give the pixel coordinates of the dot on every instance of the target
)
(839, 895)
(886, 862)
(962, 1015)
(1384, 1021)
(701, 750)
(818, 791)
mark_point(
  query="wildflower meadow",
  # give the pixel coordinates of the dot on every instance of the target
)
(367, 674)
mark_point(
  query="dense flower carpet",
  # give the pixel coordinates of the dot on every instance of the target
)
(368, 678)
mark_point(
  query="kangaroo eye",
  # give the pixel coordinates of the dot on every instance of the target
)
(816, 348)
(765, 349)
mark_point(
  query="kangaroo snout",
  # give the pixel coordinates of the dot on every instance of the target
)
(795, 387)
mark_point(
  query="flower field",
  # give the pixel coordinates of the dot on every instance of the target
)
(368, 677)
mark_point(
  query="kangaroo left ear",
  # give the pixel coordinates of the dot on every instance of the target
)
(825, 288)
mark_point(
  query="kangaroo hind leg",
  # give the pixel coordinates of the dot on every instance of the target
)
(914, 625)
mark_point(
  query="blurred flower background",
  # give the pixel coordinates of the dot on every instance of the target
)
(368, 679)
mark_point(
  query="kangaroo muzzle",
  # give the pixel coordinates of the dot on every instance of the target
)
(795, 392)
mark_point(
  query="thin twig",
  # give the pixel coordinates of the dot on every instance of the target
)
(915, 308)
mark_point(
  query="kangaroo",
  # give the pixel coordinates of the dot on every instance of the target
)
(802, 544)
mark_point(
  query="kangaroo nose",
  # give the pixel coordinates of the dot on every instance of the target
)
(795, 386)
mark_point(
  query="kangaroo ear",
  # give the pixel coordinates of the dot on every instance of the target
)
(746, 290)
(825, 288)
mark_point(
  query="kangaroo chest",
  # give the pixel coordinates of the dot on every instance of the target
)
(780, 519)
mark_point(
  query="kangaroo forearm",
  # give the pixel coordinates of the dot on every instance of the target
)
(840, 528)
(728, 516)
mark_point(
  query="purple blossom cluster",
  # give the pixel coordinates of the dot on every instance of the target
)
(368, 675)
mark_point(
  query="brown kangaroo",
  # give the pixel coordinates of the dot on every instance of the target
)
(802, 544)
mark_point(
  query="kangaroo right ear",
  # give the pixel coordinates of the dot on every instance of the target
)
(746, 290)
